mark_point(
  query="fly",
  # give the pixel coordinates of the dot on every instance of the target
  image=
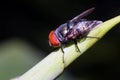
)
(72, 30)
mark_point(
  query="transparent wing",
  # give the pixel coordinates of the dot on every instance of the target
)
(83, 14)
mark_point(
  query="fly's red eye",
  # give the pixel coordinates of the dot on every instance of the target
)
(53, 41)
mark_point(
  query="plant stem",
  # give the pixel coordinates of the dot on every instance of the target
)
(52, 66)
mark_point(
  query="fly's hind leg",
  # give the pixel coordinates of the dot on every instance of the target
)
(92, 37)
(75, 41)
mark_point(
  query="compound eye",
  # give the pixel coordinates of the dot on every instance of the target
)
(53, 40)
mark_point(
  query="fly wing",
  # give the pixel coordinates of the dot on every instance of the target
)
(83, 14)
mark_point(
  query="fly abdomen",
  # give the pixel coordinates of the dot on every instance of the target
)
(82, 28)
(93, 23)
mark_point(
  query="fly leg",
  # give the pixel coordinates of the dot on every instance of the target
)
(62, 49)
(63, 54)
(92, 37)
(75, 41)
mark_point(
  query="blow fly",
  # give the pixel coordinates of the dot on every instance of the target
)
(75, 28)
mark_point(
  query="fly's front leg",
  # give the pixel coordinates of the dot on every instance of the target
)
(63, 54)
(62, 49)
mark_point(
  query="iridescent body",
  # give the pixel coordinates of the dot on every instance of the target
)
(74, 29)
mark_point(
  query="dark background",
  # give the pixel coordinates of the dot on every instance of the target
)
(32, 20)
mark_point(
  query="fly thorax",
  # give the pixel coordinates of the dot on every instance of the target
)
(62, 32)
